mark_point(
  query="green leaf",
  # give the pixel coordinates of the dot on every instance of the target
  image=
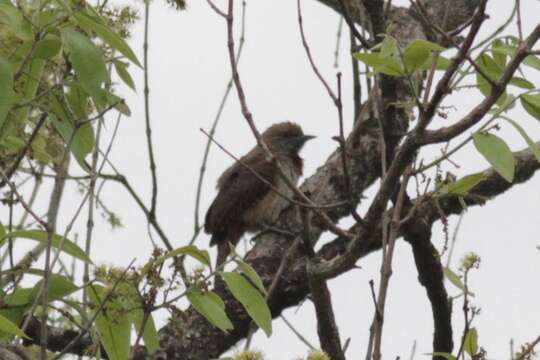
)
(18, 302)
(531, 104)
(500, 58)
(149, 334)
(471, 342)
(489, 66)
(114, 331)
(39, 149)
(522, 83)
(48, 47)
(69, 247)
(83, 141)
(78, 101)
(442, 63)
(389, 66)
(121, 70)
(190, 250)
(119, 103)
(6, 326)
(491, 69)
(6, 89)
(497, 153)
(105, 33)
(59, 287)
(13, 144)
(417, 53)
(532, 145)
(87, 61)
(532, 61)
(388, 47)
(19, 297)
(445, 355)
(251, 274)
(13, 18)
(461, 186)
(505, 50)
(210, 305)
(250, 298)
(454, 279)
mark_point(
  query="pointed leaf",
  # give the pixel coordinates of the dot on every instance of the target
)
(522, 83)
(68, 247)
(6, 89)
(389, 66)
(417, 53)
(497, 153)
(83, 141)
(149, 334)
(6, 326)
(531, 104)
(252, 275)
(251, 299)
(454, 278)
(471, 342)
(461, 186)
(87, 61)
(48, 47)
(388, 47)
(114, 331)
(121, 70)
(532, 61)
(210, 305)
(532, 145)
(107, 34)
(189, 250)
(59, 287)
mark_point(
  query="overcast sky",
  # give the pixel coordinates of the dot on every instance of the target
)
(189, 70)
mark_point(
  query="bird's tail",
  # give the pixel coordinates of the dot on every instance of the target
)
(222, 253)
(224, 240)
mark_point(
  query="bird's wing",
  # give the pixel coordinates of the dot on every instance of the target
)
(239, 192)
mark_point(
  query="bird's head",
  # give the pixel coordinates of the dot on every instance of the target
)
(285, 137)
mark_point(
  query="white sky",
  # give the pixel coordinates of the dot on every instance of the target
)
(188, 72)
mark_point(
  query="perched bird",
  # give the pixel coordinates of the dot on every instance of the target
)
(244, 202)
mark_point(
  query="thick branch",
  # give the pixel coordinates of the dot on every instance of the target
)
(191, 336)
(431, 276)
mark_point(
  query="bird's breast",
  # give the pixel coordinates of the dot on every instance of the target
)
(267, 210)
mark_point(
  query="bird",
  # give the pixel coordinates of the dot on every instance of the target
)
(245, 203)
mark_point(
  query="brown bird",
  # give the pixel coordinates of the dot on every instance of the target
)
(244, 202)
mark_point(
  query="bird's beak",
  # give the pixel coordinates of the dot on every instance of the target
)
(307, 138)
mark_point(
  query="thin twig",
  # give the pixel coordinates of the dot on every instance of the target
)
(338, 42)
(266, 182)
(310, 57)
(260, 142)
(357, 87)
(365, 43)
(528, 350)
(197, 225)
(90, 218)
(96, 313)
(20, 199)
(52, 215)
(152, 212)
(25, 149)
(386, 267)
(520, 28)
(297, 333)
